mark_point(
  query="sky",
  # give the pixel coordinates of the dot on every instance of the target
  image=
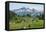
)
(13, 6)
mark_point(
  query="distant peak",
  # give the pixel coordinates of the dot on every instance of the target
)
(23, 8)
(33, 9)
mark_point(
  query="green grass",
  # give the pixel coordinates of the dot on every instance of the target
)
(25, 22)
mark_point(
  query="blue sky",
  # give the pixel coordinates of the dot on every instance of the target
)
(20, 5)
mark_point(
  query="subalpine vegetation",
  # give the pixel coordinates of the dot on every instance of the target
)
(19, 22)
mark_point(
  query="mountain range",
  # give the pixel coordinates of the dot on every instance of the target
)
(24, 11)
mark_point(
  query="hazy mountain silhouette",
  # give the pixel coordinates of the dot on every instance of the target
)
(24, 11)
